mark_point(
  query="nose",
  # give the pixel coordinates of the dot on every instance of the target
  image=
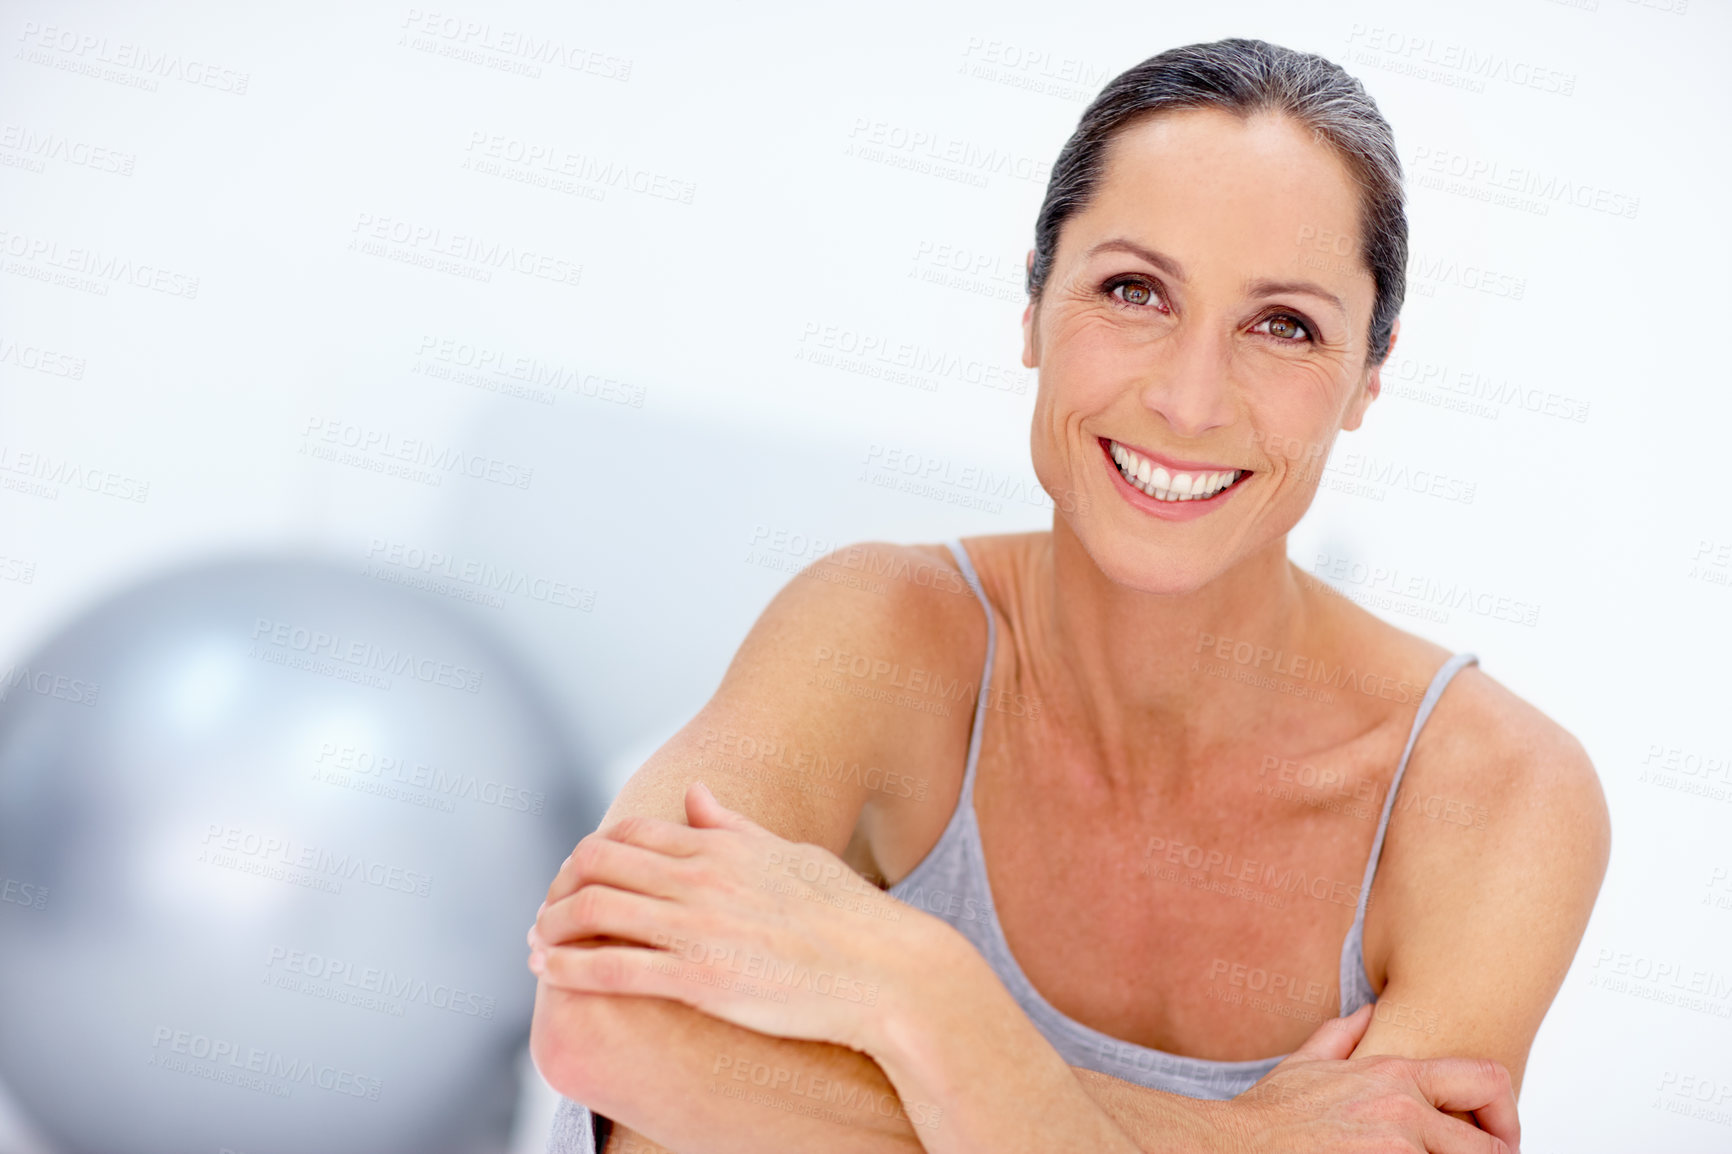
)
(1189, 381)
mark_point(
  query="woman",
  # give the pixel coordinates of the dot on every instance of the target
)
(1211, 837)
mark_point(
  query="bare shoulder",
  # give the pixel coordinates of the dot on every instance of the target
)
(913, 598)
(833, 705)
(1496, 848)
(1500, 822)
(1483, 746)
(1485, 740)
(918, 686)
(1498, 834)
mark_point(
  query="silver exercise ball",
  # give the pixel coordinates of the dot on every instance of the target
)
(271, 833)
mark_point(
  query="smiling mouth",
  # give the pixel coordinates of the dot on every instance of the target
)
(1164, 484)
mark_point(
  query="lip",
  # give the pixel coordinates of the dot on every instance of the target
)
(1168, 510)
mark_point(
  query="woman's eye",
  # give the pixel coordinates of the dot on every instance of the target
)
(1286, 328)
(1135, 293)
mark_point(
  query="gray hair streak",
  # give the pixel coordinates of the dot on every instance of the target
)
(1244, 77)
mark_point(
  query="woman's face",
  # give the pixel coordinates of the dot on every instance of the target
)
(1207, 311)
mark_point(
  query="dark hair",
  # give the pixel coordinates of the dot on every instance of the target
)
(1247, 76)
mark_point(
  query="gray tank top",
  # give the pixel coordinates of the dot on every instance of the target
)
(950, 882)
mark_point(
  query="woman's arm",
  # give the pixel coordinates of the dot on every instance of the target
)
(782, 746)
(958, 1038)
(837, 1099)
(661, 1069)
(683, 919)
(673, 1072)
(819, 955)
(1491, 867)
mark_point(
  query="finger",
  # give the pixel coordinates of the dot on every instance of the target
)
(665, 837)
(625, 866)
(555, 924)
(620, 970)
(603, 911)
(565, 879)
(560, 885)
(670, 837)
(704, 811)
(537, 942)
(1445, 1135)
(1336, 1037)
(1477, 1085)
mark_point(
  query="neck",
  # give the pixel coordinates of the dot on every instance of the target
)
(1132, 668)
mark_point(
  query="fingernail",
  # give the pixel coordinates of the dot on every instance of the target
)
(538, 961)
(539, 908)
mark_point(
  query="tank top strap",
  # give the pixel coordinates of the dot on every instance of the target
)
(963, 562)
(1355, 984)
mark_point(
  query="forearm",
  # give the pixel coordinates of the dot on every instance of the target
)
(1157, 1121)
(698, 1085)
(1148, 1116)
(968, 1045)
(898, 1037)
(695, 1084)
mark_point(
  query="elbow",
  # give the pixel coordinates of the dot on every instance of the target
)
(569, 1043)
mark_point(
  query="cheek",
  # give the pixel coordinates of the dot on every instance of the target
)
(1294, 410)
(1288, 397)
(1294, 443)
(1049, 436)
(1090, 361)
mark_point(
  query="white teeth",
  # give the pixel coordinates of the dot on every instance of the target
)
(1164, 486)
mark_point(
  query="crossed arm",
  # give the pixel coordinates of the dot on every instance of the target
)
(674, 1068)
(960, 1070)
(633, 1023)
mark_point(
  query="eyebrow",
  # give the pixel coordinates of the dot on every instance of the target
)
(1259, 288)
(1269, 288)
(1159, 259)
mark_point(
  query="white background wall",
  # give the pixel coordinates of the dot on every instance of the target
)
(751, 192)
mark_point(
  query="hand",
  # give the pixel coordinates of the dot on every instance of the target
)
(1318, 1099)
(728, 918)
